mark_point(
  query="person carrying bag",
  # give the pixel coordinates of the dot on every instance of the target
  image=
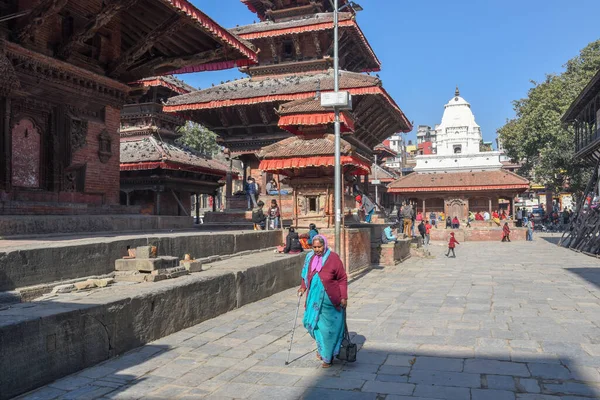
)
(348, 350)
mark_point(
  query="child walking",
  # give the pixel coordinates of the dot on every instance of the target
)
(451, 245)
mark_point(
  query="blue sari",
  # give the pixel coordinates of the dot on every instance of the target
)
(321, 319)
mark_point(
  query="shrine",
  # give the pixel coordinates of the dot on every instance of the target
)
(157, 174)
(65, 68)
(280, 98)
(307, 160)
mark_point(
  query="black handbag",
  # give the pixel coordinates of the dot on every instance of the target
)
(348, 349)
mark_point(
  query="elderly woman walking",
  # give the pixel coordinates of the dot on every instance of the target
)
(325, 281)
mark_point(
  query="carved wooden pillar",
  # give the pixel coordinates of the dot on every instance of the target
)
(197, 207)
(490, 206)
(157, 202)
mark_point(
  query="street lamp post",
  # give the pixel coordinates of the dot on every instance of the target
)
(338, 167)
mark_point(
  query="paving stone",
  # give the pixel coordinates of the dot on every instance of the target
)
(527, 385)
(442, 392)
(277, 393)
(490, 394)
(495, 367)
(444, 378)
(45, 393)
(571, 388)
(71, 383)
(277, 379)
(235, 390)
(331, 383)
(391, 378)
(438, 364)
(500, 382)
(332, 394)
(549, 371)
(388, 388)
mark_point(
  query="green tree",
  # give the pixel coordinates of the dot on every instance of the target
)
(536, 135)
(199, 138)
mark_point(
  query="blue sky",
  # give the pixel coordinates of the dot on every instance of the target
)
(491, 49)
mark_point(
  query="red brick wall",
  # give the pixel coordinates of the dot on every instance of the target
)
(476, 235)
(357, 247)
(99, 177)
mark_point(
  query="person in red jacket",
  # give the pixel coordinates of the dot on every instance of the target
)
(451, 245)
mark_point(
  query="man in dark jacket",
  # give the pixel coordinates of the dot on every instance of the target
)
(258, 217)
(422, 230)
(292, 242)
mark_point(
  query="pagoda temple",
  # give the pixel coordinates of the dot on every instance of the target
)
(295, 39)
(65, 68)
(157, 174)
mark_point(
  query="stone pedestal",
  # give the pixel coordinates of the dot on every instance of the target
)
(390, 254)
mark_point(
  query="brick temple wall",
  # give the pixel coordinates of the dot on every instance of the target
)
(102, 177)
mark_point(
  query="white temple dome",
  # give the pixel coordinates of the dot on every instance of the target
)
(458, 140)
(458, 113)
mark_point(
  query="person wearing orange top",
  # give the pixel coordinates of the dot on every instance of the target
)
(427, 232)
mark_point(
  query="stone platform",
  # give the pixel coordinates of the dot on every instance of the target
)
(480, 234)
(46, 259)
(44, 340)
(27, 225)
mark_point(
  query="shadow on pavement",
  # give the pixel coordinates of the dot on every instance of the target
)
(455, 373)
(591, 275)
(119, 377)
(550, 239)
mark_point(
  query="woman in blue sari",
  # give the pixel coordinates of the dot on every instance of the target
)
(326, 285)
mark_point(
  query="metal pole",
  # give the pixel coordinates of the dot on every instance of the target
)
(338, 170)
(376, 185)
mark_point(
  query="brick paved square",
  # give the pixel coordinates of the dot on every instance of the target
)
(488, 327)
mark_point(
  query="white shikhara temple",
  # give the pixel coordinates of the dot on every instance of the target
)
(458, 138)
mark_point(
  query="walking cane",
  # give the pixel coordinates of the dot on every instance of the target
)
(293, 330)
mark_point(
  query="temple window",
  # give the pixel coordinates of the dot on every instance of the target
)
(67, 26)
(288, 49)
(457, 149)
(313, 204)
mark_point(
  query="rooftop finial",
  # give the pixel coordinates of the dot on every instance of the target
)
(456, 92)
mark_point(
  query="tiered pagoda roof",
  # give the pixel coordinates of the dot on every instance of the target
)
(173, 36)
(150, 153)
(305, 151)
(177, 86)
(300, 116)
(354, 47)
(278, 9)
(376, 114)
(459, 181)
(383, 175)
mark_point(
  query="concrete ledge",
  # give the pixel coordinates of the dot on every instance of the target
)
(57, 260)
(15, 225)
(43, 341)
